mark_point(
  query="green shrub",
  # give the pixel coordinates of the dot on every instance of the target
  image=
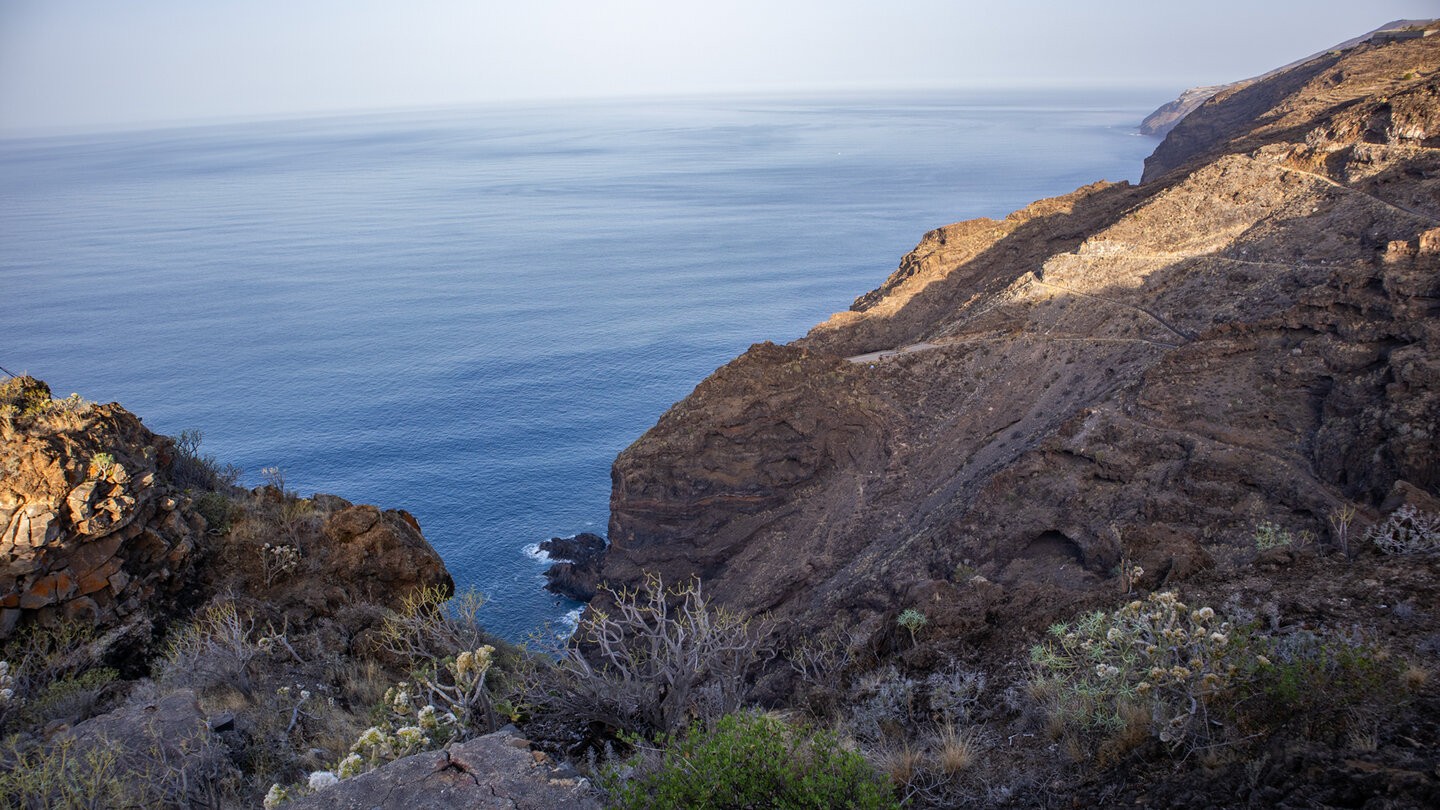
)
(219, 511)
(1321, 680)
(65, 777)
(747, 761)
(48, 673)
(70, 698)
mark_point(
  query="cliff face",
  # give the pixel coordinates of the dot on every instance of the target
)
(86, 529)
(1158, 124)
(1123, 373)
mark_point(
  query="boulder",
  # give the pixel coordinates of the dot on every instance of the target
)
(487, 772)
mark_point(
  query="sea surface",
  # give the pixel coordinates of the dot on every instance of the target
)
(468, 313)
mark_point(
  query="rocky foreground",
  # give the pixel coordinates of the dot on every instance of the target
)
(168, 639)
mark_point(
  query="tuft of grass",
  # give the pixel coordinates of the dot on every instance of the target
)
(954, 751)
(901, 762)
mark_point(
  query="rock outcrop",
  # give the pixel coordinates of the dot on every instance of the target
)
(494, 771)
(577, 570)
(163, 749)
(92, 529)
(1121, 375)
(87, 529)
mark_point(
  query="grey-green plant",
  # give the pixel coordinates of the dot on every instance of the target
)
(1270, 535)
(1407, 531)
(1158, 654)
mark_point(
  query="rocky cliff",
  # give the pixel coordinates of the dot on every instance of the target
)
(1121, 375)
(1159, 123)
(97, 525)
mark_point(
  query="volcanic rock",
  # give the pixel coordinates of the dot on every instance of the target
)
(486, 772)
(577, 574)
(90, 529)
(1118, 376)
(86, 529)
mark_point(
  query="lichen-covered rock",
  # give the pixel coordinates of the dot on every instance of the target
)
(494, 771)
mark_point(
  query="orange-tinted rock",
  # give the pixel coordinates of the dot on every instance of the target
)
(67, 523)
(47, 590)
(351, 522)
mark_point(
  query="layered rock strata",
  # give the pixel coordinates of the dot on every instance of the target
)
(87, 529)
(1118, 376)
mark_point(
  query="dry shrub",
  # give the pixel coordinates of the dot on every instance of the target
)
(1133, 732)
(213, 653)
(657, 658)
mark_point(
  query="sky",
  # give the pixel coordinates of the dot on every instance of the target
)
(96, 64)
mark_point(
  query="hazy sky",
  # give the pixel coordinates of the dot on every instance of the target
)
(84, 63)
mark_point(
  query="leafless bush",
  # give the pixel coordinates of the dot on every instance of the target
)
(442, 638)
(190, 470)
(823, 661)
(213, 651)
(660, 657)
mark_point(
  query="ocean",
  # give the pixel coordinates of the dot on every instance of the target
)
(468, 313)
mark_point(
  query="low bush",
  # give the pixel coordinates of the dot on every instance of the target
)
(190, 470)
(1407, 531)
(1320, 681)
(51, 673)
(1157, 655)
(219, 510)
(747, 761)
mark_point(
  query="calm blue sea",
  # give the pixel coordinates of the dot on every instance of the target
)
(468, 313)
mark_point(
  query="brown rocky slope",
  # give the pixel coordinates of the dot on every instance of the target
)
(1123, 373)
(96, 526)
